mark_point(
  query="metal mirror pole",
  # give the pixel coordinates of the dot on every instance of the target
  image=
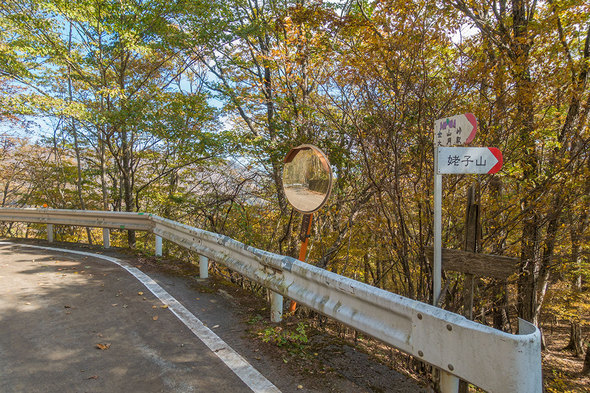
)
(304, 236)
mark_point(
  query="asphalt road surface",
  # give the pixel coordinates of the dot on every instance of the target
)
(75, 323)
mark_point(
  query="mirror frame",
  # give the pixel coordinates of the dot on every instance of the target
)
(325, 163)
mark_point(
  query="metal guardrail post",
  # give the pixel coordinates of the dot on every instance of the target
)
(50, 233)
(106, 237)
(448, 382)
(158, 246)
(203, 267)
(276, 307)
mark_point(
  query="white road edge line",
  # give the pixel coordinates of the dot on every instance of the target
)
(244, 370)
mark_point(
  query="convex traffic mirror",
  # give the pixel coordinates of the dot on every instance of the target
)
(307, 178)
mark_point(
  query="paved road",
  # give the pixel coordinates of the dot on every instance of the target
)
(79, 324)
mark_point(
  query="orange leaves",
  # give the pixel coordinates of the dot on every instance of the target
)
(103, 347)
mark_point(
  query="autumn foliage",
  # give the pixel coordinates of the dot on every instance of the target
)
(186, 109)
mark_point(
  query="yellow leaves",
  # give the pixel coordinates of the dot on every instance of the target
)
(163, 306)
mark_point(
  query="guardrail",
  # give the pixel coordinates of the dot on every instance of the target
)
(493, 360)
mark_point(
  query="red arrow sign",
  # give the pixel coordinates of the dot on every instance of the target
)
(455, 130)
(474, 160)
(498, 154)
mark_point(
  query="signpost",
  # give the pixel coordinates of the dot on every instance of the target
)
(449, 132)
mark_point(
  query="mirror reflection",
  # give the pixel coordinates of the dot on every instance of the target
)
(307, 178)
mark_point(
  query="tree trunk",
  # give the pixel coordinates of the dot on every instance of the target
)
(366, 268)
(500, 305)
(578, 225)
(127, 183)
(575, 344)
(103, 170)
(547, 253)
(530, 258)
(586, 369)
(76, 144)
(529, 270)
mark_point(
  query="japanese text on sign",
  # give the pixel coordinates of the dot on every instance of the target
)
(463, 160)
(455, 130)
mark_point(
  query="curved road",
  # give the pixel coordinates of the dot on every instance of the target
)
(73, 323)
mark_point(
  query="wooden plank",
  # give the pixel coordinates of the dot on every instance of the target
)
(482, 265)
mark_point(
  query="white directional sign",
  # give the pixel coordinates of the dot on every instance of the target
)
(455, 130)
(475, 160)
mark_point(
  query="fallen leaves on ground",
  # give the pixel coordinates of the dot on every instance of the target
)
(103, 347)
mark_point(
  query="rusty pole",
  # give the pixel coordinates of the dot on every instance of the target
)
(304, 236)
